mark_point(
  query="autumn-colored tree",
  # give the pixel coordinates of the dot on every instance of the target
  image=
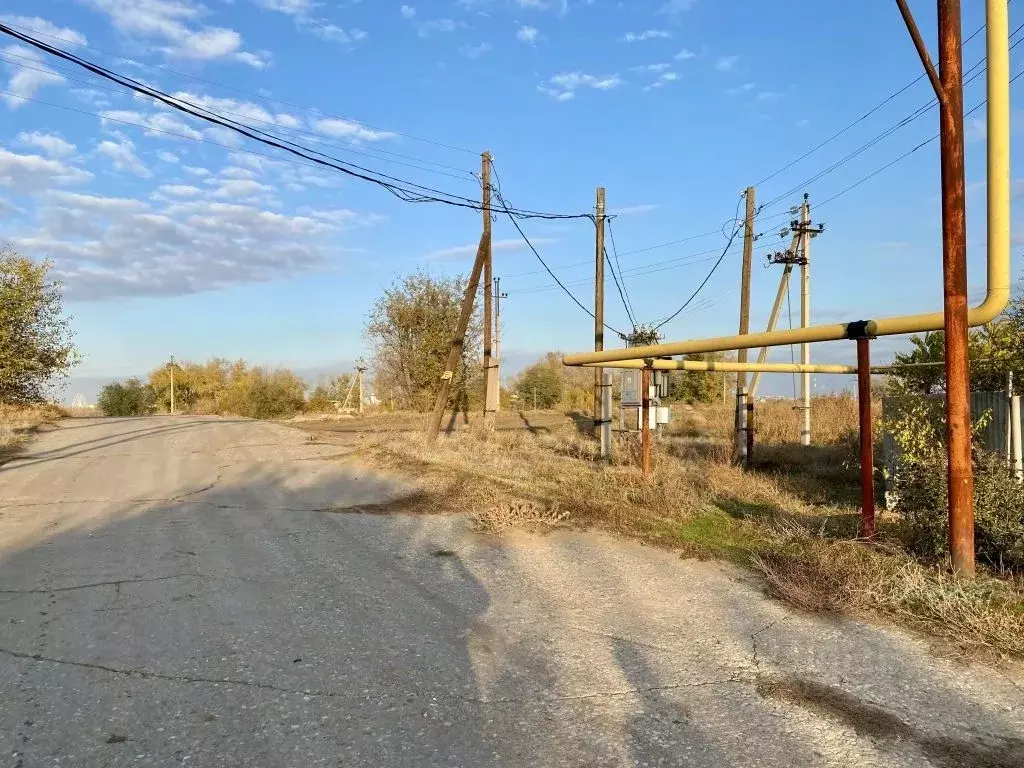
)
(410, 330)
(36, 346)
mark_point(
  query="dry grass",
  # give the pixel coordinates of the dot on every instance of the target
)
(18, 422)
(821, 575)
(792, 519)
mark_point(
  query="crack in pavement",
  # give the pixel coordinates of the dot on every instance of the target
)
(113, 583)
(143, 674)
(753, 640)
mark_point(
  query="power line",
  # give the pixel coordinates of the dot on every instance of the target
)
(860, 119)
(315, 138)
(515, 222)
(242, 91)
(978, 69)
(704, 282)
(622, 295)
(640, 269)
(618, 265)
(906, 154)
(396, 186)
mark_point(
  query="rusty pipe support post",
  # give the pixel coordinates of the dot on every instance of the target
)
(645, 418)
(954, 285)
(867, 445)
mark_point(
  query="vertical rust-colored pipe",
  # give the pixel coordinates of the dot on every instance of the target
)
(867, 447)
(645, 418)
(954, 286)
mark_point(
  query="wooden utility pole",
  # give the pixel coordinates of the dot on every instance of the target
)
(954, 288)
(172, 385)
(598, 306)
(459, 340)
(490, 371)
(740, 427)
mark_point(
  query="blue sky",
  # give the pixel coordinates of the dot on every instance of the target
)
(176, 237)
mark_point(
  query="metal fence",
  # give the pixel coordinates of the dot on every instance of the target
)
(995, 436)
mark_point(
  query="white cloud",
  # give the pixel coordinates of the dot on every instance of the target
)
(50, 143)
(168, 157)
(649, 34)
(335, 34)
(106, 248)
(465, 251)
(122, 156)
(564, 85)
(241, 189)
(527, 34)
(246, 110)
(475, 51)
(726, 63)
(408, 12)
(34, 24)
(28, 173)
(333, 126)
(196, 171)
(428, 28)
(685, 54)
(662, 67)
(561, 6)
(23, 81)
(177, 24)
(179, 190)
(159, 124)
(234, 172)
(292, 7)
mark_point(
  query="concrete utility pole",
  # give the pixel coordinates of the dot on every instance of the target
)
(741, 426)
(490, 369)
(359, 378)
(805, 318)
(954, 288)
(498, 296)
(598, 305)
(459, 340)
(172, 385)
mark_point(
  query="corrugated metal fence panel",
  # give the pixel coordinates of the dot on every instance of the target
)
(995, 437)
(997, 405)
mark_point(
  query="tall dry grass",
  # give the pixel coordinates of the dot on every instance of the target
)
(18, 422)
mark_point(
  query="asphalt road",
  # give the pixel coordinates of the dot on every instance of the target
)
(205, 592)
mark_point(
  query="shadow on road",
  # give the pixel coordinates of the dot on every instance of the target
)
(263, 621)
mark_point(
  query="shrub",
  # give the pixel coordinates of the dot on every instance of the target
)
(921, 483)
(257, 393)
(131, 398)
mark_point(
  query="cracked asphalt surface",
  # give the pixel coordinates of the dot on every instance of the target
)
(208, 592)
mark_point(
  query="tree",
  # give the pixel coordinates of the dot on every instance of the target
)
(258, 393)
(35, 336)
(924, 380)
(131, 398)
(410, 329)
(540, 386)
(197, 386)
(697, 386)
(334, 390)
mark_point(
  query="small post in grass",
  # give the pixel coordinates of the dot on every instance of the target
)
(645, 419)
(750, 434)
(867, 448)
